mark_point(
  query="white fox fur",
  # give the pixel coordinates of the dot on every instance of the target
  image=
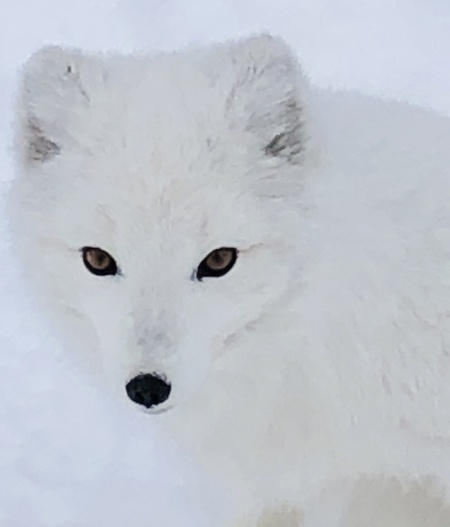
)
(324, 354)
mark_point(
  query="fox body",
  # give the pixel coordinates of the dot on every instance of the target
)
(268, 263)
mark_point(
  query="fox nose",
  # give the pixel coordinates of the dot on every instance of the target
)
(148, 390)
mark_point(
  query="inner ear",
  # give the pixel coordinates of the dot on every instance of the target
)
(40, 147)
(283, 145)
(289, 142)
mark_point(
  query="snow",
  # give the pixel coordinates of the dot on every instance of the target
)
(68, 456)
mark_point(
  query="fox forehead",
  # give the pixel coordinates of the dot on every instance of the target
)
(174, 215)
(167, 157)
(167, 118)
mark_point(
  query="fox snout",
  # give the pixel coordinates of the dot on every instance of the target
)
(148, 390)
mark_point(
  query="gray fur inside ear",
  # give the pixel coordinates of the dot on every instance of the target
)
(289, 143)
(39, 147)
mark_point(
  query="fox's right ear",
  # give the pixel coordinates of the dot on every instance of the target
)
(54, 91)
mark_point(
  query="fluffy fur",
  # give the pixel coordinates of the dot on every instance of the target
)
(324, 354)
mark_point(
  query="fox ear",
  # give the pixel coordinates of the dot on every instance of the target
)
(268, 91)
(53, 93)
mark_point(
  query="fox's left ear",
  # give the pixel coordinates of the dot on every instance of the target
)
(268, 95)
(56, 87)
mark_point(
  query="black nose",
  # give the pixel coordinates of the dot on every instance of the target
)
(148, 390)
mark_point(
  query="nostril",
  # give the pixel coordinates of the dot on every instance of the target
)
(148, 390)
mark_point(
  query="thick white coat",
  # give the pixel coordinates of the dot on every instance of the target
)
(325, 353)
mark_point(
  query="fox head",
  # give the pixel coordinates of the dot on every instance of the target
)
(158, 202)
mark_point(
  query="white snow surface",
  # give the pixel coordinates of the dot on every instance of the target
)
(68, 456)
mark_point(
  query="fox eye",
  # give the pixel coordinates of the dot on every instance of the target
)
(98, 261)
(217, 263)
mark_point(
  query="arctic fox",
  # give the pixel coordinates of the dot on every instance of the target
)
(262, 264)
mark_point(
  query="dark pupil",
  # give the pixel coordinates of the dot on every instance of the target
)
(102, 260)
(218, 259)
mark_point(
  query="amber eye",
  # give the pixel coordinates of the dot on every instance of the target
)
(217, 263)
(98, 262)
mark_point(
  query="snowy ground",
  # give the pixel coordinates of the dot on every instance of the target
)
(68, 457)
